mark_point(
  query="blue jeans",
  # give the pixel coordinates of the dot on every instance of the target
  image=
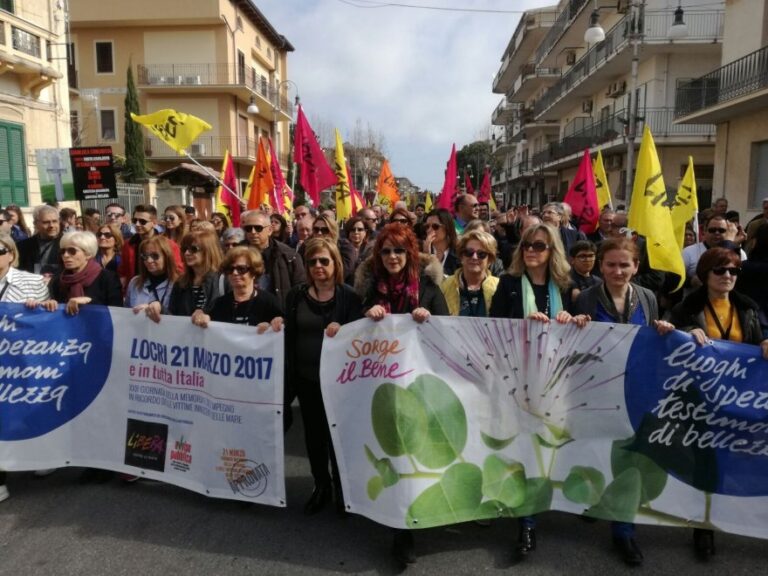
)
(623, 529)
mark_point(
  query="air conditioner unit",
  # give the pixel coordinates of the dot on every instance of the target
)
(192, 80)
(586, 106)
(617, 89)
(622, 6)
(197, 149)
(570, 58)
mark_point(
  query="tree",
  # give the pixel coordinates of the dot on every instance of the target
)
(477, 156)
(135, 169)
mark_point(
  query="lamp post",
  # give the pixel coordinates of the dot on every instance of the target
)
(253, 109)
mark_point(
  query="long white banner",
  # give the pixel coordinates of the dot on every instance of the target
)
(198, 408)
(460, 419)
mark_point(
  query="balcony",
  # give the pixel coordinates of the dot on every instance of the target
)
(611, 58)
(229, 78)
(559, 28)
(583, 133)
(739, 87)
(504, 113)
(22, 46)
(204, 147)
(531, 79)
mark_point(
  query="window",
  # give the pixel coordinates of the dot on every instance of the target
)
(758, 188)
(6, 5)
(13, 169)
(108, 125)
(104, 58)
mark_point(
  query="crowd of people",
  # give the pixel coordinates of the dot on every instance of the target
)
(307, 274)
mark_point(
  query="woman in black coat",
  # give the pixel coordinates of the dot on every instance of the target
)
(202, 282)
(315, 310)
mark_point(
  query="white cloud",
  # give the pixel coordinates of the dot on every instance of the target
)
(421, 77)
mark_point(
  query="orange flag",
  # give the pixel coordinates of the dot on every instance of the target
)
(387, 186)
(262, 183)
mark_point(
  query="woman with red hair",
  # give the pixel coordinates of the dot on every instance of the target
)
(397, 279)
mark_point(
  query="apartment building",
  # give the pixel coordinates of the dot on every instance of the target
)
(562, 95)
(220, 60)
(34, 107)
(734, 97)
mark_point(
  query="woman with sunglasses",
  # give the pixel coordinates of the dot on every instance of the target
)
(400, 216)
(150, 291)
(232, 237)
(357, 234)
(175, 222)
(220, 223)
(715, 311)
(324, 226)
(397, 279)
(245, 304)
(110, 242)
(316, 309)
(440, 239)
(201, 282)
(469, 291)
(619, 301)
(536, 288)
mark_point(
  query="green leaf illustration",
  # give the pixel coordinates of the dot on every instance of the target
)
(654, 478)
(504, 481)
(492, 509)
(446, 422)
(496, 443)
(538, 497)
(387, 472)
(455, 498)
(370, 455)
(374, 488)
(621, 499)
(399, 420)
(584, 485)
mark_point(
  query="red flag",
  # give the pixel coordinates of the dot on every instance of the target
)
(485, 187)
(316, 174)
(468, 184)
(276, 198)
(357, 199)
(227, 200)
(450, 190)
(582, 196)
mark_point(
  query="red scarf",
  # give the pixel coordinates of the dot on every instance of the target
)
(398, 294)
(73, 284)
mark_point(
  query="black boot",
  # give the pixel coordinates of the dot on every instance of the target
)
(316, 502)
(403, 547)
(703, 543)
(629, 550)
(526, 542)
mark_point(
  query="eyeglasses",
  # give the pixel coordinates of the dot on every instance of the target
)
(481, 254)
(554, 212)
(258, 228)
(537, 246)
(193, 249)
(320, 230)
(323, 261)
(716, 230)
(169, 217)
(400, 220)
(114, 214)
(69, 251)
(153, 256)
(104, 235)
(357, 229)
(585, 257)
(435, 227)
(231, 244)
(390, 251)
(237, 270)
(722, 270)
(140, 221)
(4, 250)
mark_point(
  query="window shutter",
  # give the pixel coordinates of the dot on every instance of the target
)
(13, 170)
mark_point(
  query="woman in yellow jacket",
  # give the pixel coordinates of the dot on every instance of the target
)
(470, 289)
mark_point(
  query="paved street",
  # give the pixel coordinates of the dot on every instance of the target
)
(55, 526)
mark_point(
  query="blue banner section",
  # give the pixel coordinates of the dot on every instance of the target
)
(701, 412)
(52, 367)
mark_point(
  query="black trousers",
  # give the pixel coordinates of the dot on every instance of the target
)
(317, 435)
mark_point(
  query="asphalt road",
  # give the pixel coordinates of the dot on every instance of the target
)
(53, 525)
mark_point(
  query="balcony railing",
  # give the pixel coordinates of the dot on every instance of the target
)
(25, 42)
(587, 133)
(739, 78)
(212, 75)
(568, 13)
(204, 147)
(701, 26)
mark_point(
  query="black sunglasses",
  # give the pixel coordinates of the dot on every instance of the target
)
(153, 256)
(104, 235)
(193, 249)
(400, 220)
(258, 228)
(719, 271)
(716, 230)
(140, 221)
(70, 251)
(390, 251)
(320, 230)
(537, 246)
(481, 254)
(238, 270)
(322, 260)
(435, 226)
(4, 250)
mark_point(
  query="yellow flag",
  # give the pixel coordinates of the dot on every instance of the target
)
(601, 182)
(492, 204)
(428, 203)
(176, 129)
(649, 213)
(343, 195)
(686, 204)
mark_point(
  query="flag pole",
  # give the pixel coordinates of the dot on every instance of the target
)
(215, 177)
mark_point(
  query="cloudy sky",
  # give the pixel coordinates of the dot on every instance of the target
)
(421, 77)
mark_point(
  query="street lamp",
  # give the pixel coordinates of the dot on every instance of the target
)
(252, 108)
(679, 28)
(595, 32)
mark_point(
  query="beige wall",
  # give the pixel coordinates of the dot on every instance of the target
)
(181, 47)
(745, 28)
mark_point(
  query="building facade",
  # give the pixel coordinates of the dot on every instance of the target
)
(34, 106)
(210, 58)
(734, 97)
(562, 95)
